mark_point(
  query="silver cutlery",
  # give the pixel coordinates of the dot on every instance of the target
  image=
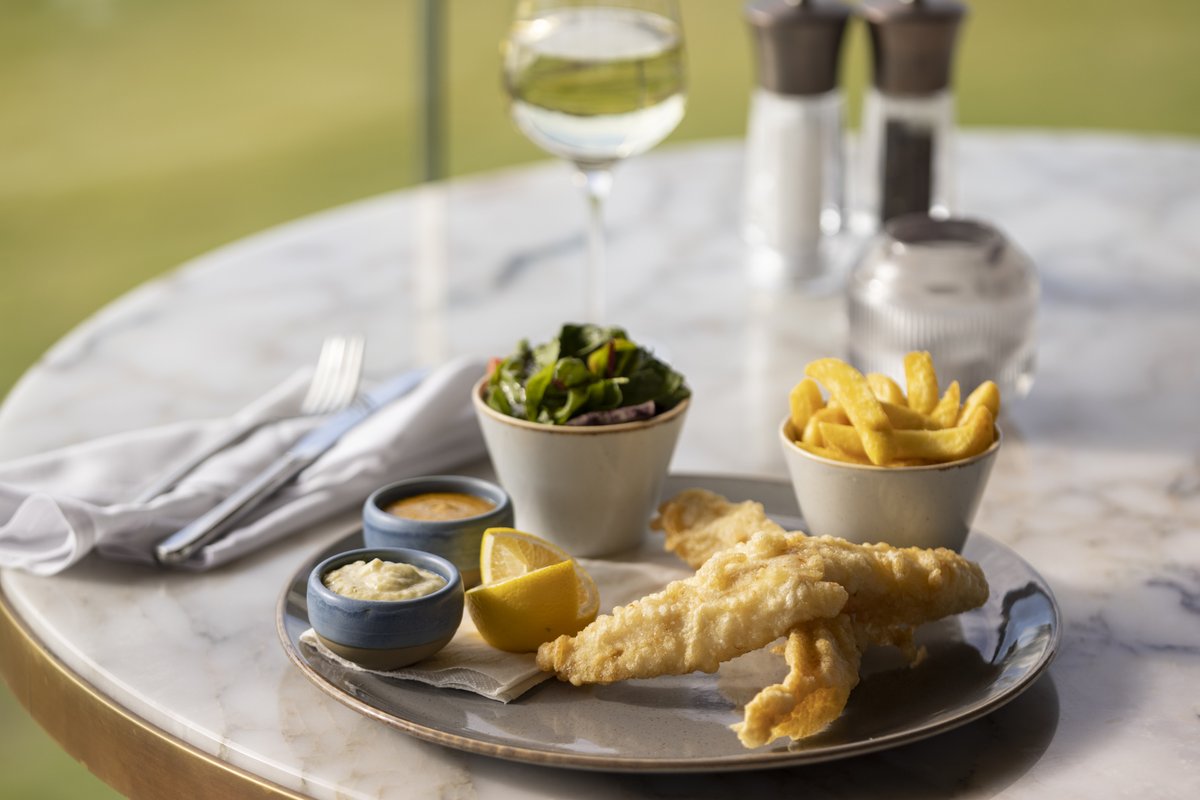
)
(180, 546)
(333, 386)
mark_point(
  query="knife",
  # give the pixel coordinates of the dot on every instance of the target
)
(183, 544)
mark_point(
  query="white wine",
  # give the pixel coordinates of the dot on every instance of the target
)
(594, 85)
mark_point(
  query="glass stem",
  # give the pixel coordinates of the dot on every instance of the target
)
(596, 182)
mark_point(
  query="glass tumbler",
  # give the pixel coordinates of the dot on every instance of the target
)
(955, 287)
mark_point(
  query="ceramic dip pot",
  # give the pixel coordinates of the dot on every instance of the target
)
(456, 540)
(385, 634)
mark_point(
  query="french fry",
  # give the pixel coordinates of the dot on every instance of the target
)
(859, 423)
(983, 423)
(880, 446)
(843, 438)
(945, 413)
(922, 381)
(852, 392)
(986, 394)
(811, 434)
(886, 389)
(849, 388)
(948, 444)
(803, 401)
(904, 418)
(855, 443)
(812, 431)
(831, 454)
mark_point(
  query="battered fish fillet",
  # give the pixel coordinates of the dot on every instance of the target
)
(824, 656)
(888, 586)
(746, 596)
(832, 598)
(742, 599)
(698, 523)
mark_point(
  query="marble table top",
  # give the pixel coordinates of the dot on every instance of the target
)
(1098, 485)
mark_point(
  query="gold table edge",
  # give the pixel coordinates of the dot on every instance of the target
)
(125, 751)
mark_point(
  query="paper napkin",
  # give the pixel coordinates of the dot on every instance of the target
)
(469, 663)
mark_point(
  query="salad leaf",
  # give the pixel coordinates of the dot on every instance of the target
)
(587, 375)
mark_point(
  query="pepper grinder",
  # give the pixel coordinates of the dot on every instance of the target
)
(793, 213)
(908, 113)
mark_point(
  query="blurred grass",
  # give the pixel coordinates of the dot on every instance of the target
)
(138, 133)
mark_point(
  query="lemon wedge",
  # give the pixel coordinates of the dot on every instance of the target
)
(532, 592)
(506, 553)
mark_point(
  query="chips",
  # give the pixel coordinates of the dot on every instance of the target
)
(852, 392)
(905, 419)
(870, 420)
(921, 380)
(945, 413)
(987, 394)
(803, 401)
(886, 389)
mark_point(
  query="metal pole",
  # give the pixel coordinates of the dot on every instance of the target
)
(429, 83)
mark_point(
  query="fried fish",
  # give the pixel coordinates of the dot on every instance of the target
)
(756, 582)
(699, 523)
(741, 599)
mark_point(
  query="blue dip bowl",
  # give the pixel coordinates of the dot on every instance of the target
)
(455, 540)
(385, 634)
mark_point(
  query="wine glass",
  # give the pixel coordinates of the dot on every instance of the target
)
(595, 82)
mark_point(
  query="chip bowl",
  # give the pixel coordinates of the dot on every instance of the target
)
(926, 506)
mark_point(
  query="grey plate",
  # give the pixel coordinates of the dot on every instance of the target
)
(978, 661)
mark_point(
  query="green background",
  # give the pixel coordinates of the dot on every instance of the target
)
(135, 134)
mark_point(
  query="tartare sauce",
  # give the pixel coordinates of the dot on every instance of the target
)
(382, 580)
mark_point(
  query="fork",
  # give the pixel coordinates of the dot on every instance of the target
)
(333, 387)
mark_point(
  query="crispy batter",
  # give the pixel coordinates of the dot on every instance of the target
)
(888, 586)
(824, 656)
(893, 586)
(741, 599)
(755, 582)
(698, 523)
(746, 596)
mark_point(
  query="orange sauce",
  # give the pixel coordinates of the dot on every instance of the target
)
(440, 506)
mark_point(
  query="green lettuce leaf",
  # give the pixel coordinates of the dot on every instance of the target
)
(584, 370)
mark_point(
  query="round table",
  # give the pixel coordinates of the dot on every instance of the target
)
(167, 684)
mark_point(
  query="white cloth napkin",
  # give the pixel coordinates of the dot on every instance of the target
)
(57, 507)
(469, 663)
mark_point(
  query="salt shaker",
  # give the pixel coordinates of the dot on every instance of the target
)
(793, 212)
(907, 162)
(957, 288)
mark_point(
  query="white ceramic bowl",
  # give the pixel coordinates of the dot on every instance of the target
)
(588, 489)
(931, 506)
